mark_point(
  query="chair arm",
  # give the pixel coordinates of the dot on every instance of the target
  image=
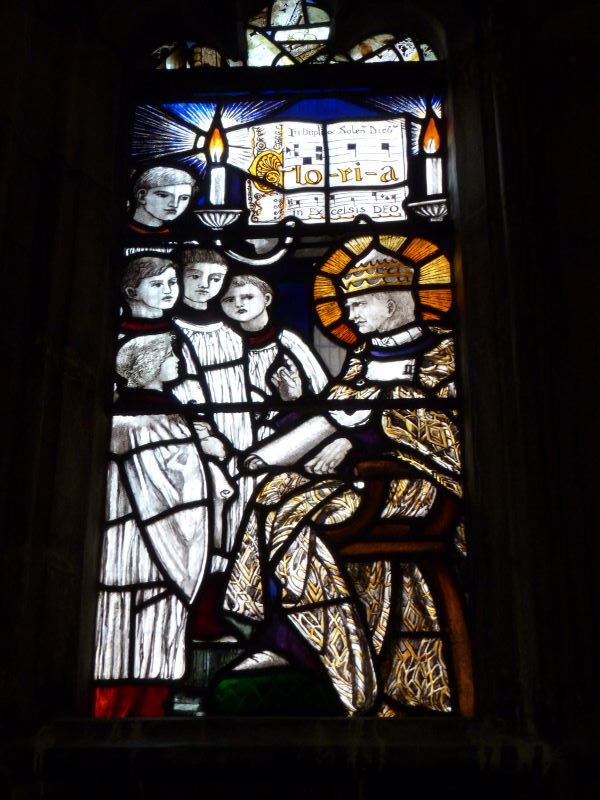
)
(385, 468)
(367, 523)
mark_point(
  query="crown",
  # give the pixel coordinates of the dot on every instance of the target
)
(377, 271)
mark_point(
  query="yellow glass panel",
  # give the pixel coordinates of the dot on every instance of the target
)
(329, 313)
(336, 262)
(323, 287)
(437, 298)
(418, 249)
(358, 246)
(344, 333)
(392, 242)
(437, 271)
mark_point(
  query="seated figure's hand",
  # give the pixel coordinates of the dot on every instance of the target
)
(287, 380)
(212, 446)
(330, 457)
(254, 463)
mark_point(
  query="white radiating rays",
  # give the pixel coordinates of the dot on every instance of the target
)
(156, 134)
(417, 106)
(415, 137)
(200, 115)
(179, 129)
(243, 112)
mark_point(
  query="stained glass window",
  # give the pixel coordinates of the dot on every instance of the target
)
(284, 527)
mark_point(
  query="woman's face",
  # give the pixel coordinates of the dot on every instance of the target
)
(159, 292)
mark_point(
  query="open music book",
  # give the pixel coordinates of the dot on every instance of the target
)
(332, 171)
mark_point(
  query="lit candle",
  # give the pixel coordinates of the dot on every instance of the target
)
(433, 175)
(217, 173)
(433, 166)
(217, 186)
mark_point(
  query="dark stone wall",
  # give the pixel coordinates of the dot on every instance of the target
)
(525, 160)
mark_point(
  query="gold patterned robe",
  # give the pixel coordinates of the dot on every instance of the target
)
(358, 617)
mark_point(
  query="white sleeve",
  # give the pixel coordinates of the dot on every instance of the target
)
(310, 365)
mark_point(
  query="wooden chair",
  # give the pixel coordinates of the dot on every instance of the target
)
(426, 541)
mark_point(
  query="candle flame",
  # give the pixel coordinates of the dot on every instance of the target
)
(431, 140)
(216, 146)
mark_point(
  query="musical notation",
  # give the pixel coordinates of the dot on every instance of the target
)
(366, 164)
(344, 206)
(365, 154)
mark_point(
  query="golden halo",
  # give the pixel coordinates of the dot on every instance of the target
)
(267, 165)
(432, 279)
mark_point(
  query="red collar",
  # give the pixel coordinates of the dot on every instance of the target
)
(267, 334)
(147, 229)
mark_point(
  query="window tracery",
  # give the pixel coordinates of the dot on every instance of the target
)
(283, 519)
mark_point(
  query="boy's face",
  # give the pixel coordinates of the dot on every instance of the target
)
(169, 369)
(244, 303)
(165, 203)
(159, 291)
(202, 281)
